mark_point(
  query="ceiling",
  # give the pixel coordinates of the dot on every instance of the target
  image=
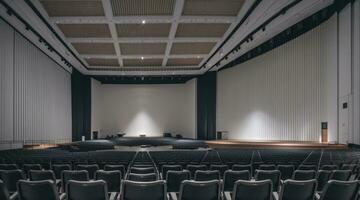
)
(143, 35)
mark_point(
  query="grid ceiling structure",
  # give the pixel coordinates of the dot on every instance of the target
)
(140, 35)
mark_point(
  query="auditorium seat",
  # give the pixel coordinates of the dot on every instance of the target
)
(154, 190)
(68, 175)
(267, 167)
(142, 170)
(286, 171)
(207, 175)
(273, 175)
(230, 177)
(142, 177)
(59, 168)
(303, 175)
(348, 167)
(298, 190)
(194, 168)
(28, 167)
(329, 167)
(36, 190)
(91, 169)
(4, 193)
(166, 168)
(220, 168)
(323, 177)
(200, 190)
(121, 168)
(85, 190)
(308, 167)
(246, 190)
(112, 179)
(237, 167)
(344, 190)
(340, 175)
(8, 167)
(10, 179)
(174, 180)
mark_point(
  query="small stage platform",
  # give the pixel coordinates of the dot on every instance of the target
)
(236, 144)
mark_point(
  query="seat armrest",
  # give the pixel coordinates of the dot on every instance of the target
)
(14, 196)
(62, 196)
(275, 196)
(227, 195)
(172, 196)
(317, 195)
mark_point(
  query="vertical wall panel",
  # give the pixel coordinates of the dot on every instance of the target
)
(6, 82)
(42, 96)
(278, 95)
(356, 70)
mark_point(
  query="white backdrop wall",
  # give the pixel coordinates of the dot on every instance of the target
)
(35, 94)
(284, 94)
(144, 109)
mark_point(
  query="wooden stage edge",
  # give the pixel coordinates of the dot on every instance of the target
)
(232, 144)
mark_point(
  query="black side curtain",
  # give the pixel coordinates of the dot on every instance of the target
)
(81, 105)
(206, 106)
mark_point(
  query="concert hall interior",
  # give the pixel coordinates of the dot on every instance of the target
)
(180, 99)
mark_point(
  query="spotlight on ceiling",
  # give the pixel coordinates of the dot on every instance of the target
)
(142, 57)
(143, 21)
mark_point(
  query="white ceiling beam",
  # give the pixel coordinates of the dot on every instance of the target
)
(157, 68)
(139, 19)
(179, 5)
(109, 15)
(144, 40)
(161, 56)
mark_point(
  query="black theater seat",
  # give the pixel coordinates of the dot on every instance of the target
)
(194, 168)
(36, 190)
(112, 179)
(298, 190)
(91, 169)
(344, 190)
(59, 168)
(341, 175)
(329, 167)
(85, 190)
(303, 175)
(166, 168)
(68, 175)
(28, 167)
(200, 190)
(267, 167)
(286, 171)
(323, 177)
(246, 190)
(8, 167)
(4, 193)
(154, 190)
(120, 168)
(237, 167)
(175, 178)
(10, 179)
(273, 175)
(207, 175)
(142, 177)
(142, 170)
(220, 168)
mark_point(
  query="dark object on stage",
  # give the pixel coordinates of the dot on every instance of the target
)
(167, 135)
(178, 136)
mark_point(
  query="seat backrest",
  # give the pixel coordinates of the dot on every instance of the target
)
(196, 190)
(175, 178)
(79, 175)
(142, 177)
(8, 167)
(142, 170)
(35, 190)
(42, 175)
(166, 168)
(121, 168)
(348, 167)
(230, 177)
(259, 190)
(220, 168)
(329, 167)
(28, 167)
(286, 171)
(267, 167)
(298, 190)
(341, 175)
(303, 175)
(323, 177)
(58, 168)
(273, 175)
(308, 167)
(194, 168)
(10, 178)
(85, 190)
(155, 190)
(344, 190)
(112, 179)
(237, 167)
(207, 175)
(91, 169)
(4, 193)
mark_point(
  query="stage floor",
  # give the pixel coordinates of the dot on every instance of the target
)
(228, 144)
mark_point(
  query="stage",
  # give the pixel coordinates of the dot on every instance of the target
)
(236, 144)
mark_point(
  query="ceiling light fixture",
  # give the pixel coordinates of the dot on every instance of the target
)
(143, 22)
(142, 57)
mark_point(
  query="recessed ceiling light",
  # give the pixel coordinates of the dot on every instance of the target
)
(142, 58)
(143, 22)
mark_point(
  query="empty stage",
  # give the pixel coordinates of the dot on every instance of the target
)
(272, 144)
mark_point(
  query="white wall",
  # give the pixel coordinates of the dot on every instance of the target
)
(284, 94)
(35, 94)
(144, 109)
